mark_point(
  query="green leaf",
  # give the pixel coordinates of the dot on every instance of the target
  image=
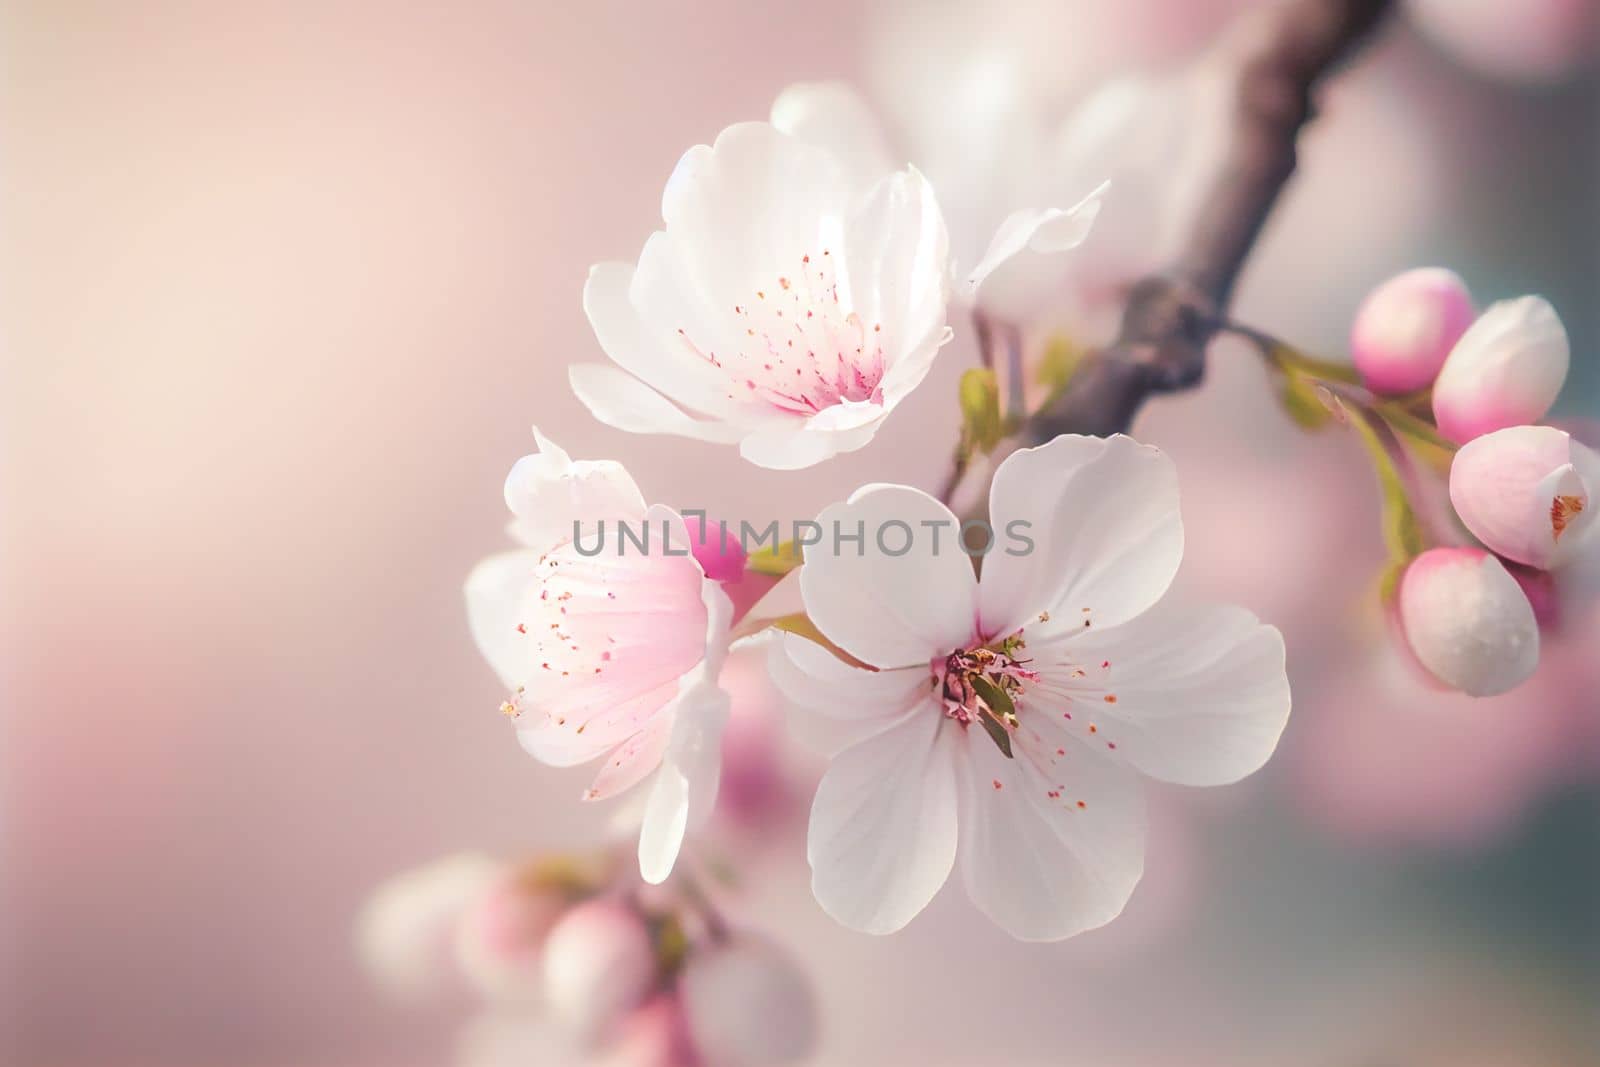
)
(998, 734)
(1302, 399)
(776, 561)
(981, 422)
(801, 625)
(1061, 359)
(1001, 715)
(1401, 530)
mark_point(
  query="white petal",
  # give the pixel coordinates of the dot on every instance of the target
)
(790, 448)
(897, 266)
(636, 314)
(686, 784)
(834, 117)
(743, 210)
(618, 399)
(494, 592)
(548, 493)
(1023, 268)
(1103, 518)
(882, 837)
(834, 705)
(890, 611)
(1039, 865)
(1197, 696)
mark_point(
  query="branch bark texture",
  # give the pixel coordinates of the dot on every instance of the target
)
(1279, 55)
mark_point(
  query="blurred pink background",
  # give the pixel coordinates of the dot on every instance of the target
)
(285, 287)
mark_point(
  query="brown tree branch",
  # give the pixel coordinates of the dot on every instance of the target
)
(1280, 56)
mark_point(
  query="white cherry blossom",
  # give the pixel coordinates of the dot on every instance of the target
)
(790, 302)
(608, 649)
(1071, 656)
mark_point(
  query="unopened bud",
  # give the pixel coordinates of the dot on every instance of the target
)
(599, 963)
(716, 548)
(1467, 621)
(1526, 492)
(1506, 370)
(1406, 327)
(407, 927)
(501, 935)
(748, 1004)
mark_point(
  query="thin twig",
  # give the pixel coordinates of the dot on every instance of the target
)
(1280, 56)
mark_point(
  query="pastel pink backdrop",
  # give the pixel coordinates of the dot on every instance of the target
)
(285, 286)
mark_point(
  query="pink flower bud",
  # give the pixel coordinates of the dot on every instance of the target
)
(501, 935)
(405, 930)
(716, 548)
(748, 1004)
(599, 963)
(1467, 621)
(1506, 370)
(1525, 492)
(1406, 327)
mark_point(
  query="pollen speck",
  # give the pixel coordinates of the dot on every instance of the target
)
(997, 784)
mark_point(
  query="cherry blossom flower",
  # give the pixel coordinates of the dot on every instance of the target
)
(1527, 492)
(609, 650)
(786, 306)
(1023, 706)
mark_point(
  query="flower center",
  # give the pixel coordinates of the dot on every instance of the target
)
(981, 685)
(798, 346)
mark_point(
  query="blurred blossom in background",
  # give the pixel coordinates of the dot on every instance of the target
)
(284, 288)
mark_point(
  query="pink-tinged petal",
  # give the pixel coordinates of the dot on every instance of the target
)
(548, 493)
(890, 610)
(1526, 492)
(776, 294)
(1023, 268)
(632, 761)
(548, 739)
(882, 837)
(716, 548)
(1196, 696)
(834, 117)
(1467, 621)
(1406, 327)
(602, 631)
(685, 787)
(1506, 370)
(494, 593)
(1102, 516)
(1049, 850)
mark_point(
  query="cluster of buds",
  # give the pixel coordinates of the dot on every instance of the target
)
(626, 975)
(1471, 613)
